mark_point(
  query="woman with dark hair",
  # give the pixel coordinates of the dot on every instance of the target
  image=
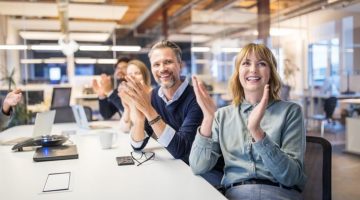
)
(261, 138)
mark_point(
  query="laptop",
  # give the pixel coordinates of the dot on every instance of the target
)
(60, 97)
(62, 152)
(81, 119)
(43, 125)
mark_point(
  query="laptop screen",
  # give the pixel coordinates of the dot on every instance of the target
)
(80, 116)
(43, 123)
(61, 97)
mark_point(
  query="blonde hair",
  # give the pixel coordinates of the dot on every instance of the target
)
(143, 69)
(263, 53)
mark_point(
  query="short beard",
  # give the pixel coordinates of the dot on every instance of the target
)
(168, 85)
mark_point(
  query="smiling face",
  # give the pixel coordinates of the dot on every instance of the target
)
(134, 71)
(165, 68)
(255, 67)
(254, 74)
(120, 70)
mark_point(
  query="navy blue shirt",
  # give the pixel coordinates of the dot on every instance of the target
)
(111, 105)
(183, 115)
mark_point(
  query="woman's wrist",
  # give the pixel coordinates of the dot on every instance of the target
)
(257, 134)
(205, 129)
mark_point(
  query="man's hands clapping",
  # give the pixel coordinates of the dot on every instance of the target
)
(102, 87)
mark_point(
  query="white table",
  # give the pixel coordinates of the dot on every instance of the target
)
(95, 175)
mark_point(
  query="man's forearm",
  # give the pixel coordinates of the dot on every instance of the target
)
(159, 126)
(138, 131)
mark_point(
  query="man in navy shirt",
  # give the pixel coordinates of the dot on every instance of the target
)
(109, 101)
(170, 111)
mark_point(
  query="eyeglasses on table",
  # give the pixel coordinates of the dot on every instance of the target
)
(141, 157)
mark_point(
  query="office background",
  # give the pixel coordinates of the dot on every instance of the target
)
(66, 43)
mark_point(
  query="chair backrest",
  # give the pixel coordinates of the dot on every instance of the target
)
(329, 106)
(61, 97)
(66, 115)
(317, 168)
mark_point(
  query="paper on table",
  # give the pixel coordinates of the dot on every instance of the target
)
(57, 182)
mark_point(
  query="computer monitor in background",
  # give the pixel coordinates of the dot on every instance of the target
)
(55, 73)
(34, 96)
(61, 97)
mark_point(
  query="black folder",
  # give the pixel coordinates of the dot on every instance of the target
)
(61, 152)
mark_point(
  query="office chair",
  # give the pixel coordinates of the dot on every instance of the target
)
(66, 115)
(329, 108)
(317, 163)
(60, 97)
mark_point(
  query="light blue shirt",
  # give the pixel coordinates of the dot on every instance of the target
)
(278, 157)
(177, 93)
(168, 132)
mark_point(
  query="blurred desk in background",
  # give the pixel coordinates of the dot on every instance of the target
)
(91, 100)
(313, 102)
(350, 101)
(352, 106)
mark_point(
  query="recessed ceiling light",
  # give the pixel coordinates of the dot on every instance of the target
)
(88, 1)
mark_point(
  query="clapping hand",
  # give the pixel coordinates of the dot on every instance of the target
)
(103, 87)
(257, 114)
(206, 104)
(11, 99)
(125, 98)
(127, 102)
(97, 89)
(139, 94)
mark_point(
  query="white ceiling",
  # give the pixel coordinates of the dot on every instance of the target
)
(210, 22)
(43, 35)
(49, 29)
(88, 11)
(54, 25)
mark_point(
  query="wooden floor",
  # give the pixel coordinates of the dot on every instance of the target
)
(345, 167)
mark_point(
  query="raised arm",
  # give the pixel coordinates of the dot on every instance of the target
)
(205, 150)
(11, 99)
(207, 106)
(256, 116)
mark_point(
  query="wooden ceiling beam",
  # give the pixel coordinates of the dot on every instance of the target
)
(157, 16)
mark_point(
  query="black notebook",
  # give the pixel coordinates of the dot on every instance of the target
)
(61, 152)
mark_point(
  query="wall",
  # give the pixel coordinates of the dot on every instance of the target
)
(2, 41)
(313, 27)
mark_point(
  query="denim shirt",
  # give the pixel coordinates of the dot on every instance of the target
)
(278, 157)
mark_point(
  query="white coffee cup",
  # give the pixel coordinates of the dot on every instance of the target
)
(107, 139)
